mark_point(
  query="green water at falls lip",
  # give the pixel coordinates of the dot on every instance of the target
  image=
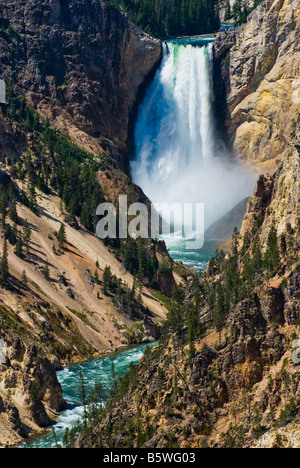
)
(93, 371)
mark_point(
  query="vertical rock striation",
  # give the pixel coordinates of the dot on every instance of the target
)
(30, 394)
(258, 80)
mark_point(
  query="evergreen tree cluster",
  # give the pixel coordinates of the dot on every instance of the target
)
(126, 300)
(138, 261)
(228, 281)
(240, 11)
(18, 110)
(54, 162)
(8, 211)
(4, 271)
(173, 17)
(15, 231)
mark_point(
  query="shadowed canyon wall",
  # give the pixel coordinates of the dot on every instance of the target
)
(82, 63)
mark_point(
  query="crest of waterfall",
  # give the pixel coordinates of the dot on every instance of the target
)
(178, 155)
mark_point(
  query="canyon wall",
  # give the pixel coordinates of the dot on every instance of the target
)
(258, 82)
(81, 63)
(30, 395)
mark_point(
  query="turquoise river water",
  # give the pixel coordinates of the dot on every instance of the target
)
(94, 371)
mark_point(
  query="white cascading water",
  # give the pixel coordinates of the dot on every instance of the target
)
(178, 155)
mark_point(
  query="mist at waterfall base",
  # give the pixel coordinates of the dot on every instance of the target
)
(179, 157)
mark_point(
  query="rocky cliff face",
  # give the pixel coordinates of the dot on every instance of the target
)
(83, 64)
(30, 395)
(259, 82)
(275, 200)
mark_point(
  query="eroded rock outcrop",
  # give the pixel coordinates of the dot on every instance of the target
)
(257, 69)
(275, 201)
(30, 394)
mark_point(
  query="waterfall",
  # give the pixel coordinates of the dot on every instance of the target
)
(178, 155)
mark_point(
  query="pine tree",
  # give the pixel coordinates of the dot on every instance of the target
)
(12, 234)
(235, 241)
(83, 398)
(3, 209)
(106, 280)
(61, 236)
(19, 246)
(36, 122)
(28, 123)
(32, 198)
(4, 272)
(237, 11)
(26, 234)
(220, 310)
(272, 255)
(257, 258)
(96, 277)
(13, 212)
(227, 11)
(192, 320)
(46, 272)
(244, 15)
(24, 278)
